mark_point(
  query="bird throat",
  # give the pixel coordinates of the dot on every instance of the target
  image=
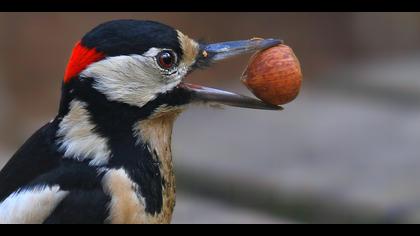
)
(157, 132)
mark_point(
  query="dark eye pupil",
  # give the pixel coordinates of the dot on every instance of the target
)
(166, 60)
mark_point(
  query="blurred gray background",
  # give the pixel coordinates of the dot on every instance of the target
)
(345, 151)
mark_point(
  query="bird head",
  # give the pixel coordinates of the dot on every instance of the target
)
(142, 65)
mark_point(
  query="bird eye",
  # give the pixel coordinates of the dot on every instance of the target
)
(166, 59)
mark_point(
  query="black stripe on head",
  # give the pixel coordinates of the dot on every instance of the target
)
(106, 113)
(115, 121)
(126, 37)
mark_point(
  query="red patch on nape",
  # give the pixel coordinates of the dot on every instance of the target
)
(81, 58)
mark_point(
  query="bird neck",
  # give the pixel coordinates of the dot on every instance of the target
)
(157, 134)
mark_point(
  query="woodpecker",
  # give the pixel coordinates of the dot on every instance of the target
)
(106, 156)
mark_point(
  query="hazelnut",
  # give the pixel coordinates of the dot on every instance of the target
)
(274, 75)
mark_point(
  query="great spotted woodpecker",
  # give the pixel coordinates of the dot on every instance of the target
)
(106, 156)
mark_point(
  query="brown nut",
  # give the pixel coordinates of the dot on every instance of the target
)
(274, 75)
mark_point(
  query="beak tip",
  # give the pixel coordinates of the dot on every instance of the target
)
(267, 43)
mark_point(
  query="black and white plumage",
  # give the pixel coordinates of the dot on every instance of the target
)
(106, 157)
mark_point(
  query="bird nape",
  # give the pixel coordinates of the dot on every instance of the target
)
(106, 157)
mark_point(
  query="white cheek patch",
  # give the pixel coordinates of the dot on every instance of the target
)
(31, 206)
(133, 79)
(77, 138)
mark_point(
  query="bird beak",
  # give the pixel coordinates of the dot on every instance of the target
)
(212, 95)
(219, 51)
